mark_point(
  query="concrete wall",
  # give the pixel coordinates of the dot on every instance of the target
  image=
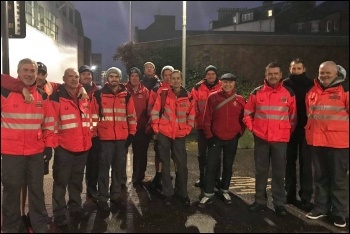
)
(248, 54)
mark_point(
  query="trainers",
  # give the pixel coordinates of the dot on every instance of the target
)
(227, 198)
(281, 211)
(205, 201)
(339, 222)
(307, 205)
(315, 215)
(199, 184)
(257, 207)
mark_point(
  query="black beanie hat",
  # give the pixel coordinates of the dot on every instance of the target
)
(135, 70)
(211, 68)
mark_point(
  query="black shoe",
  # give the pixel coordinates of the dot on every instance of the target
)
(103, 206)
(281, 211)
(27, 223)
(61, 220)
(315, 215)
(339, 222)
(168, 201)
(257, 207)
(226, 198)
(76, 214)
(199, 184)
(307, 205)
(185, 201)
(123, 186)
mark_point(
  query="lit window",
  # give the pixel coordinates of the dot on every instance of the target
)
(314, 26)
(329, 26)
(247, 17)
(269, 13)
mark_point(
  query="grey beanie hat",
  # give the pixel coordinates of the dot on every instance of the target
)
(167, 67)
(211, 68)
(113, 70)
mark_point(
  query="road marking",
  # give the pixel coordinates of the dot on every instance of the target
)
(203, 222)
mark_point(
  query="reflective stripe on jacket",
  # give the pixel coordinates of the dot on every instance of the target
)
(225, 122)
(200, 93)
(74, 121)
(26, 128)
(328, 116)
(270, 113)
(178, 117)
(114, 116)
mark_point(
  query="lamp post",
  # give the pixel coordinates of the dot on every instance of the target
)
(130, 23)
(184, 42)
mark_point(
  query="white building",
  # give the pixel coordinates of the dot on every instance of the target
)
(54, 36)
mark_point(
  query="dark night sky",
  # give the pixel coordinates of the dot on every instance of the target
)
(107, 23)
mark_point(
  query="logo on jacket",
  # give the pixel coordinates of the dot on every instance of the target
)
(184, 104)
(140, 96)
(283, 99)
(39, 104)
(235, 103)
(334, 96)
(122, 101)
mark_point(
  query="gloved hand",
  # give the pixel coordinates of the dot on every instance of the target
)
(129, 140)
(211, 142)
(48, 152)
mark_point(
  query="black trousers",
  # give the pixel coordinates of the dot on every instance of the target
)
(298, 148)
(264, 154)
(15, 168)
(139, 149)
(68, 172)
(177, 149)
(331, 180)
(112, 154)
(213, 160)
(91, 175)
(202, 155)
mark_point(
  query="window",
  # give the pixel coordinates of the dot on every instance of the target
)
(247, 17)
(235, 19)
(269, 13)
(329, 26)
(300, 27)
(41, 18)
(314, 26)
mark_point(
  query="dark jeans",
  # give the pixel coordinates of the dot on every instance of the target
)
(264, 153)
(202, 155)
(298, 148)
(91, 175)
(14, 169)
(177, 146)
(331, 180)
(68, 172)
(112, 154)
(229, 149)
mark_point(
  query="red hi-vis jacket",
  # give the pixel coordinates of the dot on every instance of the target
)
(140, 98)
(200, 93)
(177, 119)
(26, 129)
(328, 115)
(270, 112)
(224, 120)
(113, 114)
(74, 121)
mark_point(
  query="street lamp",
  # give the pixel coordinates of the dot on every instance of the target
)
(184, 42)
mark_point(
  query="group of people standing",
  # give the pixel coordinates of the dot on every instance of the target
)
(87, 128)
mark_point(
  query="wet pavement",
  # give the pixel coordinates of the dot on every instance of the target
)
(142, 209)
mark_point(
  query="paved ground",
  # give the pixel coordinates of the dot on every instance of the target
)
(143, 210)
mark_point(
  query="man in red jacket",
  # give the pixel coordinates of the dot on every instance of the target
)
(140, 95)
(74, 139)
(114, 119)
(270, 114)
(327, 132)
(200, 93)
(22, 157)
(223, 126)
